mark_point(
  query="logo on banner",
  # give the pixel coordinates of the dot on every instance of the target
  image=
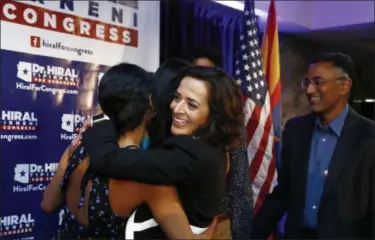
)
(33, 177)
(70, 123)
(37, 42)
(16, 224)
(49, 78)
(16, 123)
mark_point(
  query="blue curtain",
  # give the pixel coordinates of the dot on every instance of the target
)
(214, 25)
(187, 24)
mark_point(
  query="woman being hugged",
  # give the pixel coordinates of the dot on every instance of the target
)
(125, 97)
(207, 119)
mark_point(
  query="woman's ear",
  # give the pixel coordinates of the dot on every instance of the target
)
(150, 101)
(151, 113)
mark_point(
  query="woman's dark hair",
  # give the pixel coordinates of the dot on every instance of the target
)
(124, 95)
(226, 118)
(166, 72)
(210, 53)
(159, 128)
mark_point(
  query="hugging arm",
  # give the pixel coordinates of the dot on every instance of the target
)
(170, 165)
(167, 210)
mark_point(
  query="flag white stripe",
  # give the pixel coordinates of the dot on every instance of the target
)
(262, 173)
(254, 144)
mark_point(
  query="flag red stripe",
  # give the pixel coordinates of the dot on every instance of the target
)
(253, 122)
(267, 183)
(259, 156)
(276, 95)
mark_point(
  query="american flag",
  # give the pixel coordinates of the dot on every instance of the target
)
(260, 135)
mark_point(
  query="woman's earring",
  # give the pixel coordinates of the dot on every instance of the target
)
(154, 112)
(151, 115)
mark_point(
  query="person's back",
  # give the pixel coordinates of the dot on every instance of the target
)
(124, 96)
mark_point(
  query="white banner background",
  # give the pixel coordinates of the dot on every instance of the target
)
(23, 22)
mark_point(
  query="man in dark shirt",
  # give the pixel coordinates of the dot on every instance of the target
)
(327, 178)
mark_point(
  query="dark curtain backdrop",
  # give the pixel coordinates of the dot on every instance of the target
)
(187, 24)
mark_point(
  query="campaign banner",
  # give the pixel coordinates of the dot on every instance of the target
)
(44, 102)
(103, 32)
(54, 54)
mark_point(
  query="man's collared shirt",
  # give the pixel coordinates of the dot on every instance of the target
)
(322, 147)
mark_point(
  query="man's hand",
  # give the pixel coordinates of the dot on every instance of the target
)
(77, 141)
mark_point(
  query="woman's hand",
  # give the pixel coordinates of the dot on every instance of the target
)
(209, 231)
(77, 141)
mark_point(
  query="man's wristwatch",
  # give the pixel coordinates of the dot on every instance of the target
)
(98, 118)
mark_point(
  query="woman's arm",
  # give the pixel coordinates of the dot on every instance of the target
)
(52, 196)
(158, 166)
(167, 210)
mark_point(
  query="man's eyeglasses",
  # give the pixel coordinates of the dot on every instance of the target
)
(317, 82)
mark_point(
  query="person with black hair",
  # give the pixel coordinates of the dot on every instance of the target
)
(207, 56)
(104, 204)
(237, 206)
(207, 117)
(326, 182)
(235, 214)
(159, 128)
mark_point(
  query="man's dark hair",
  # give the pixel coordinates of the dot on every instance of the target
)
(210, 53)
(339, 60)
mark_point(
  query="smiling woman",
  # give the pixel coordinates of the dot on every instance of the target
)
(190, 106)
(207, 104)
(207, 113)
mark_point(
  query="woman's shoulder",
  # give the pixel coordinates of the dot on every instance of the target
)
(190, 141)
(194, 146)
(180, 139)
(76, 158)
